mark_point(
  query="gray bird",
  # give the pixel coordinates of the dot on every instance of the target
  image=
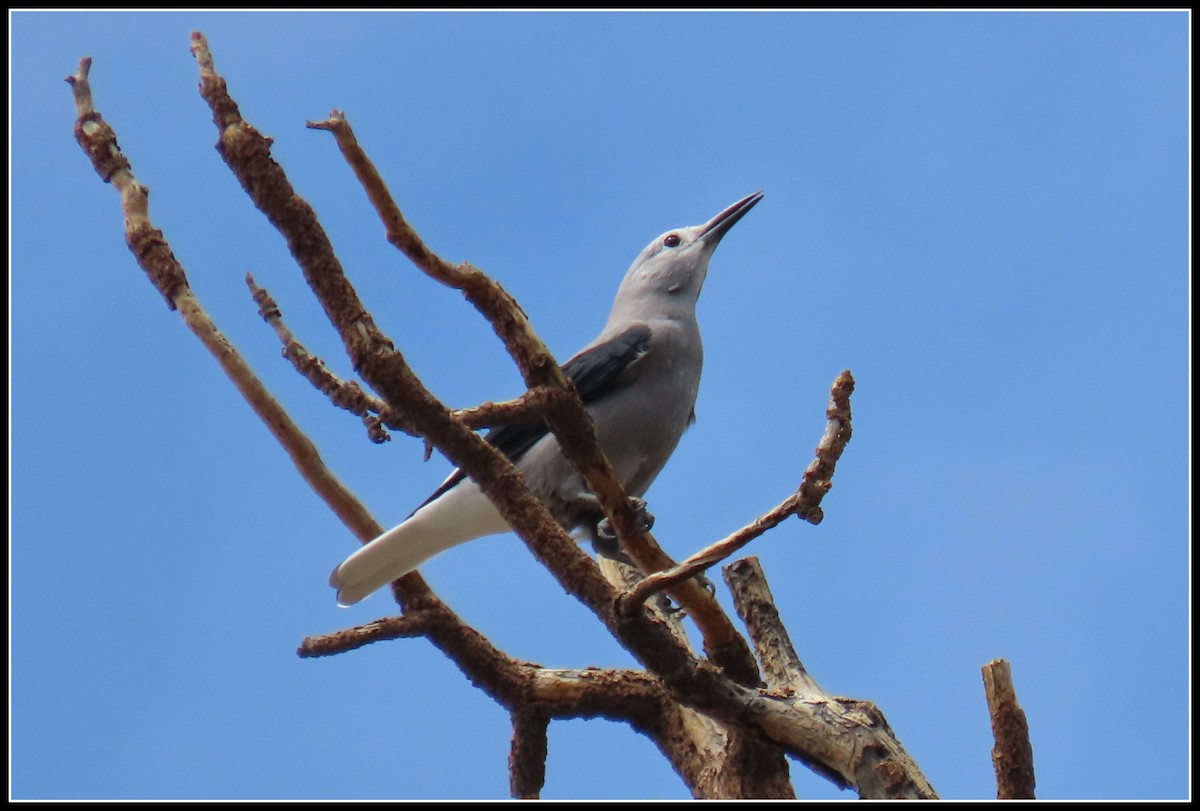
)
(638, 380)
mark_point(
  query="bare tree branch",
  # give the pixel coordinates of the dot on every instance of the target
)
(804, 503)
(755, 605)
(345, 394)
(847, 741)
(527, 753)
(1012, 756)
(529, 407)
(247, 153)
(348, 639)
(595, 692)
(154, 255)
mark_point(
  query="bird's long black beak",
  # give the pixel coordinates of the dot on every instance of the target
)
(719, 225)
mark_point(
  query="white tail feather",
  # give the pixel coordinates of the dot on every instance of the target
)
(460, 515)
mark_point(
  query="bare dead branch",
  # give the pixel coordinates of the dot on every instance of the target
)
(348, 639)
(372, 354)
(478, 659)
(537, 365)
(154, 255)
(688, 740)
(529, 407)
(527, 753)
(564, 412)
(1012, 756)
(849, 742)
(785, 674)
(693, 682)
(345, 394)
(247, 153)
(99, 142)
(755, 605)
(465, 646)
(714, 759)
(595, 692)
(804, 503)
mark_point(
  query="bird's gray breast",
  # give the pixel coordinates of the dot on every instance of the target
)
(638, 423)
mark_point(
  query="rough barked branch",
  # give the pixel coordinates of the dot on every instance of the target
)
(804, 503)
(153, 254)
(345, 394)
(1012, 756)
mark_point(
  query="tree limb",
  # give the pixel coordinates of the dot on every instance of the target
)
(154, 255)
(345, 394)
(1012, 756)
(849, 742)
(527, 753)
(372, 353)
(804, 503)
(373, 356)
(694, 682)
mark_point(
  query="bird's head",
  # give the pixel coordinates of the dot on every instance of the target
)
(673, 267)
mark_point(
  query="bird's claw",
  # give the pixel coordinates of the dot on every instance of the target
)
(604, 539)
(670, 609)
(643, 521)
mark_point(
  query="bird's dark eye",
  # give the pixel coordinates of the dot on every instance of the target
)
(671, 240)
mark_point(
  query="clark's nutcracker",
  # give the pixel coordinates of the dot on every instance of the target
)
(638, 380)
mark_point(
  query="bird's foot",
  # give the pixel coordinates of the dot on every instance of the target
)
(643, 521)
(604, 538)
(669, 608)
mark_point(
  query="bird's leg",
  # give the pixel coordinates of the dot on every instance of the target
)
(643, 519)
(604, 541)
(606, 545)
(604, 538)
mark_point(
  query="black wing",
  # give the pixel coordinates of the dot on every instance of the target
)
(594, 373)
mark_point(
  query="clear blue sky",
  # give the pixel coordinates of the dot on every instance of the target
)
(984, 216)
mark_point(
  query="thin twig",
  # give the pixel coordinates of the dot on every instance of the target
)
(804, 503)
(348, 639)
(345, 394)
(529, 407)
